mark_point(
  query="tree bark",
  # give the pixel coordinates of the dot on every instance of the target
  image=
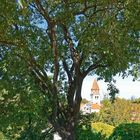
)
(67, 132)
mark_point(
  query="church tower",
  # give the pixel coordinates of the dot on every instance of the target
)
(95, 95)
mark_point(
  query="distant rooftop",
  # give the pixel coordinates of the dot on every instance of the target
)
(96, 106)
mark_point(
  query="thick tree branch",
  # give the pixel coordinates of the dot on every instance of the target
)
(93, 67)
(78, 97)
(69, 41)
(40, 76)
(53, 41)
(46, 86)
(71, 92)
(74, 54)
(8, 43)
(72, 69)
(65, 65)
(52, 35)
(40, 8)
(86, 8)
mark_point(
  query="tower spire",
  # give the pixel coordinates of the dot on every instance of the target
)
(95, 88)
(95, 95)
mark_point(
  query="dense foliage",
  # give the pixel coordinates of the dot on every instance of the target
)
(48, 48)
(118, 112)
(126, 131)
(121, 111)
(103, 128)
(88, 130)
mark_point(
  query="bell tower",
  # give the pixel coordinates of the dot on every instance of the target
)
(95, 95)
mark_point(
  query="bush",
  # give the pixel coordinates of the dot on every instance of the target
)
(88, 134)
(2, 137)
(126, 131)
(103, 128)
(84, 130)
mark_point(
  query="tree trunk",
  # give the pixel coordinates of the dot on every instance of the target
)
(67, 129)
(68, 133)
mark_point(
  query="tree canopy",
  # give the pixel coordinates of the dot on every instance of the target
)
(51, 46)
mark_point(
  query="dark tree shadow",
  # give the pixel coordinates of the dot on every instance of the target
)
(89, 134)
(84, 130)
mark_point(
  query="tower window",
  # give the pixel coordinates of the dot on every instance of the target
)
(96, 97)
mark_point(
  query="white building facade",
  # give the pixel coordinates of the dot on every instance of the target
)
(95, 100)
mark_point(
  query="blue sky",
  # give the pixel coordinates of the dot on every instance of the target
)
(127, 87)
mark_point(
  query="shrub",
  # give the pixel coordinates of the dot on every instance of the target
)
(126, 131)
(84, 130)
(2, 137)
(103, 128)
(88, 134)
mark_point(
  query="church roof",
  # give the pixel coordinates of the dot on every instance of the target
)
(96, 106)
(95, 86)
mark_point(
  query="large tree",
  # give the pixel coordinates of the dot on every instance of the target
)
(56, 44)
